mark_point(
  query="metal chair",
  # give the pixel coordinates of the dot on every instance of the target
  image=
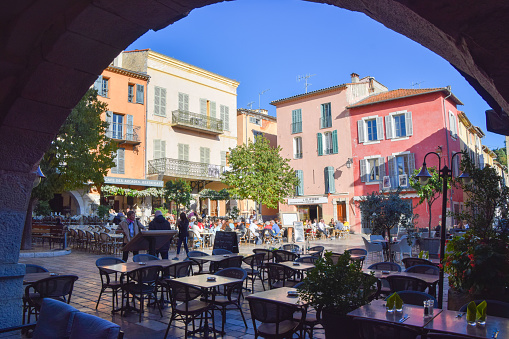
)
(232, 293)
(402, 247)
(318, 249)
(308, 259)
(187, 306)
(409, 262)
(385, 266)
(139, 283)
(283, 255)
(280, 275)
(254, 262)
(144, 257)
(196, 254)
(106, 281)
(404, 283)
(359, 251)
(277, 319)
(495, 308)
(31, 268)
(225, 263)
(290, 247)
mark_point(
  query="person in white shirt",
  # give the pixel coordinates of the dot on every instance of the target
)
(253, 230)
(322, 229)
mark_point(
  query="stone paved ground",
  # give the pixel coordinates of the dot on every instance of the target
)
(87, 288)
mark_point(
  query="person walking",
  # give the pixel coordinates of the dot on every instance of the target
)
(130, 227)
(183, 226)
(160, 223)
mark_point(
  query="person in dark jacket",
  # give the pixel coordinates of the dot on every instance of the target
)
(160, 223)
(183, 226)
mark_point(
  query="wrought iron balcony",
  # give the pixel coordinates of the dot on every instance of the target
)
(124, 134)
(197, 121)
(185, 169)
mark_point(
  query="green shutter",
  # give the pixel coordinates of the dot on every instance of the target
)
(335, 142)
(180, 151)
(162, 108)
(223, 158)
(300, 186)
(319, 143)
(227, 118)
(203, 106)
(186, 152)
(157, 100)
(163, 149)
(330, 187)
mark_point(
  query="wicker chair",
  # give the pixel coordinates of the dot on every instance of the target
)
(283, 255)
(255, 263)
(281, 275)
(144, 257)
(226, 263)
(409, 262)
(231, 294)
(404, 283)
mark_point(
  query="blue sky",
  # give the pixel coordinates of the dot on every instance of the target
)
(266, 44)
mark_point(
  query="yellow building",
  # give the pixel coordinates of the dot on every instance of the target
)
(470, 139)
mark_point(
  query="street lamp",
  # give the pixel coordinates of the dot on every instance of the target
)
(444, 173)
(38, 176)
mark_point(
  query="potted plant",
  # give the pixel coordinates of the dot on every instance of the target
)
(478, 261)
(336, 289)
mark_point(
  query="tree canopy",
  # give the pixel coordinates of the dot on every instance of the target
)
(178, 191)
(80, 154)
(501, 155)
(259, 172)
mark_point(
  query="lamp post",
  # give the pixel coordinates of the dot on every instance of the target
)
(444, 173)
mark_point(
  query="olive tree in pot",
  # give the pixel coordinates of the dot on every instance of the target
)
(336, 289)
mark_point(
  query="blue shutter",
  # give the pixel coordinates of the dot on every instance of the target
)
(120, 161)
(329, 180)
(129, 128)
(322, 113)
(140, 94)
(335, 142)
(319, 143)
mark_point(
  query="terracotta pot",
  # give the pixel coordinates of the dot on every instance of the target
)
(338, 326)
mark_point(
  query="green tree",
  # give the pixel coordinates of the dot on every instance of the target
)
(429, 192)
(79, 156)
(383, 212)
(178, 191)
(501, 155)
(258, 172)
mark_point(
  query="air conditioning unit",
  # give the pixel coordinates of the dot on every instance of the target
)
(386, 182)
(403, 180)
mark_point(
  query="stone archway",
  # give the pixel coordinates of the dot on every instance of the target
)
(51, 52)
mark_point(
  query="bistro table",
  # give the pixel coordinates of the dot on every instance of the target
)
(376, 311)
(126, 267)
(301, 267)
(201, 281)
(279, 295)
(31, 278)
(379, 274)
(449, 322)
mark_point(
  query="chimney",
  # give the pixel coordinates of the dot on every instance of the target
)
(355, 77)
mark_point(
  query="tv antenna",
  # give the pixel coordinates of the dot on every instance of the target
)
(250, 105)
(305, 78)
(259, 99)
(417, 84)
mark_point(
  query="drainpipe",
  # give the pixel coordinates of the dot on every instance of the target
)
(448, 149)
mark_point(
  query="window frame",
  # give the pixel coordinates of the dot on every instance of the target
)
(297, 146)
(130, 93)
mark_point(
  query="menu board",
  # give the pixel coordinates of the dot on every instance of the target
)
(299, 231)
(289, 218)
(227, 241)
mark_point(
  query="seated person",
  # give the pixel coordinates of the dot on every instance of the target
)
(242, 228)
(275, 228)
(321, 228)
(253, 231)
(339, 226)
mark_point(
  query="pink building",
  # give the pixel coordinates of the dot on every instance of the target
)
(391, 134)
(314, 132)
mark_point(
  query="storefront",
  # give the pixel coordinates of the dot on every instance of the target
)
(309, 208)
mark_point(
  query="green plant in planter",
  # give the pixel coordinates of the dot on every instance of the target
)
(103, 211)
(337, 289)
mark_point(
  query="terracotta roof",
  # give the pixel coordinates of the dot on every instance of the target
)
(400, 94)
(276, 102)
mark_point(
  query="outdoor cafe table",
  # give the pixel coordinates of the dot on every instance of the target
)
(31, 278)
(302, 266)
(131, 266)
(215, 258)
(376, 311)
(279, 295)
(449, 322)
(428, 278)
(201, 281)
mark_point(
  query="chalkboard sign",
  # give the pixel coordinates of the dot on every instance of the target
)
(299, 231)
(227, 241)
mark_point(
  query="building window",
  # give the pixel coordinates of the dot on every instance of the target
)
(130, 93)
(297, 148)
(159, 149)
(257, 134)
(159, 101)
(401, 168)
(223, 158)
(140, 94)
(327, 142)
(183, 102)
(300, 186)
(119, 167)
(117, 126)
(183, 152)
(102, 86)
(370, 129)
(372, 169)
(205, 155)
(330, 186)
(225, 116)
(326, 117)
(399, 125)
(256, 121)
(296, 121)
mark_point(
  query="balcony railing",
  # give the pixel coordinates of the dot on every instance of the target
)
(185, 169)
(296, 127)
(124, 133)
(197, 121)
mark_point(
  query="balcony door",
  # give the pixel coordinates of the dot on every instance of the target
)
(118, 121)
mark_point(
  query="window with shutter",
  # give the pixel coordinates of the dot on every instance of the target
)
(120, 160)
(388, 127)
(105, 87)
(409, 124)
(328, 148)
(212, 109)
(297, 148)
(360, 131)
(203, 106)
(183, 102)
(326, 118)
(130, 93)
(205, 155)
(226, 118)
(186, 152)
(163, 149)
(114, 169)
(335, 142)
(380, 128)
(330, 186)
(157, 148)
(452, 125)
(158, 101)
(117, 126)
(109, 120)
(140, 94)
(223, 158)
(363, 167)
(319, 143)
(300, 186)
(129, 132)
(98, 85)
(296, 121)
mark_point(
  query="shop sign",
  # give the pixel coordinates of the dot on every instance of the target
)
(134, 182)
(308, 201)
